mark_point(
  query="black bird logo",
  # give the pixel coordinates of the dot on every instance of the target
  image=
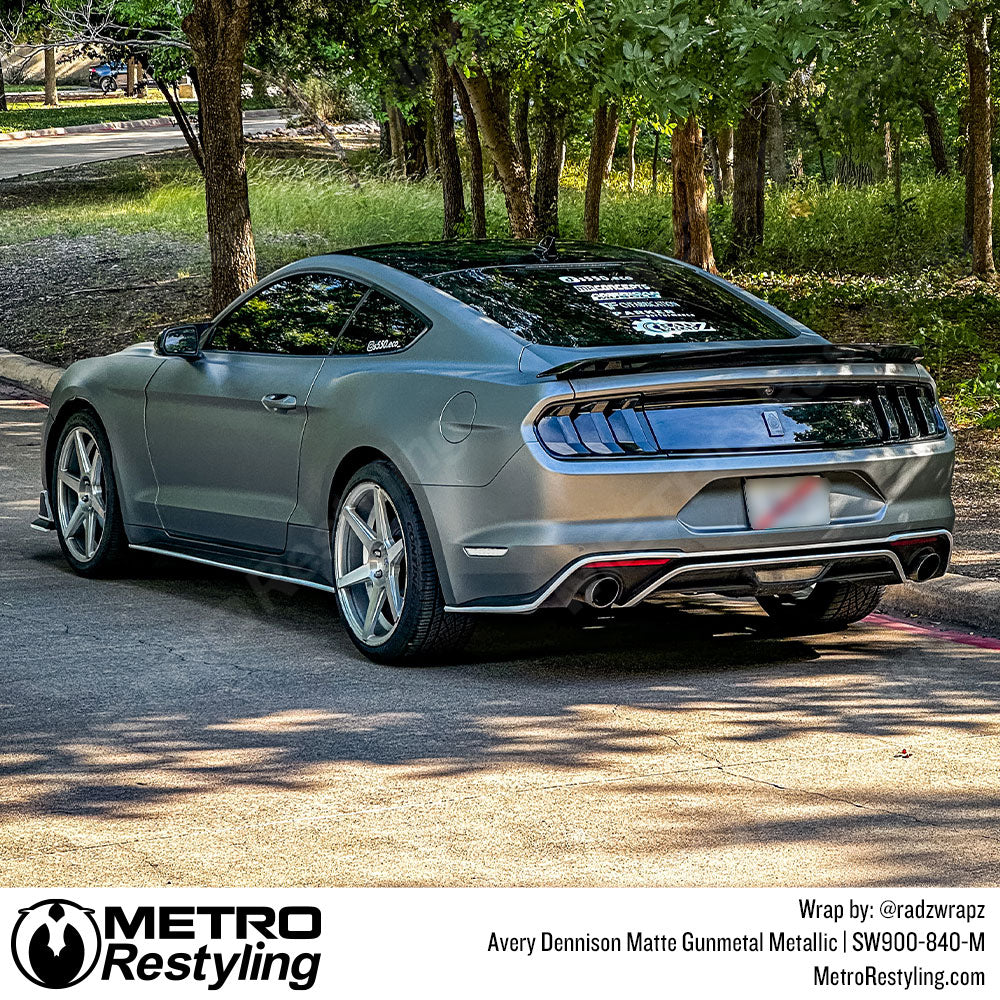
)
(56, 943)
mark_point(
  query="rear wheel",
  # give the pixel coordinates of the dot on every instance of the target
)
(108, 84)
(829, 607)
(388, 589)
(87, 513)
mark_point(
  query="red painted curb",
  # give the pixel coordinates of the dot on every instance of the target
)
(947, 635)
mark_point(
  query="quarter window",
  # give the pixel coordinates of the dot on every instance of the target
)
(381, 324)
(303, 314)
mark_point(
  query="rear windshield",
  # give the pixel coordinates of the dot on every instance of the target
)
(608, 305)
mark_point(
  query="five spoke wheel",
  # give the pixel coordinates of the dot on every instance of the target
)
(370, 563)
(80, 494)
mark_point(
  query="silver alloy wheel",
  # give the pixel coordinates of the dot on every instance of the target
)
(80, 493)
(370, 563)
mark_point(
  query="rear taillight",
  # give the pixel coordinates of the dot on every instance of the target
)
(603, 428)
(742, 418)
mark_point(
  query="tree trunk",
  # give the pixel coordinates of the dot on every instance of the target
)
(49, 59)
(396, 140)
(935, 137)
(414, 135)
(776, 166)
(183, 122)
(430, 141)
(602, 143)
(3, 92)
(897, 176)
(761, 174)
(490, 104)
(980, 135)
(130, 77)
(521, 138)
(612, 139)
(449, 165)
(384, 141)
(477, 195)
(549, 167)
(633, 134)
(217, 31)
(692, 240)
(725, 141)
(746, 151)
(888, 148)
(712, 151)
(656, 162)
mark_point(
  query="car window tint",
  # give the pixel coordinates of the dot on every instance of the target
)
(381, 324)
(610, 304)
(303, 314)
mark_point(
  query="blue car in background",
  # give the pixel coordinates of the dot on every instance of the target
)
(107, 77)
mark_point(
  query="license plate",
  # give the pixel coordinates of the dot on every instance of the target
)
(787, 502)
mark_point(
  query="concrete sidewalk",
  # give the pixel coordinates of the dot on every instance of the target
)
(120, 126)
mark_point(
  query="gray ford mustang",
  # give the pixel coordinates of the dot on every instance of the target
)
(433, 431)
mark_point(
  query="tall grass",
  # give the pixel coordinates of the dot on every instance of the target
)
(307, 204)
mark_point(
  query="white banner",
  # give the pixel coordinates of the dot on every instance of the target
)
(501, 942)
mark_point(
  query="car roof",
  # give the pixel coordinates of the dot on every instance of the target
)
(427, 259)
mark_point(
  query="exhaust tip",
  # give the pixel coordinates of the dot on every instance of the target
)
(602, 591)
(925, 566)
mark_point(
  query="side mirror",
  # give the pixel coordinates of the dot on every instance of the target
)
(180, 342)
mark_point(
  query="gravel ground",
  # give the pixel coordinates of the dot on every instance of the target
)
(72, 297)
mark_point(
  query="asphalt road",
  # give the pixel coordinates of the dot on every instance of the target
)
(188, 727)
(30, 156)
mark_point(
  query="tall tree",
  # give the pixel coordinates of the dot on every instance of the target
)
(449, 165)
(980, 167)
(218, 31)
(602, 144)
(692, 241)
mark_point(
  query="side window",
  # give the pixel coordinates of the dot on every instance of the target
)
(303, 314)
(381, 324)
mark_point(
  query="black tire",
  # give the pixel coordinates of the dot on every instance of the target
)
(108, 83)
(111, 552)
(424, 632)
(831, 607)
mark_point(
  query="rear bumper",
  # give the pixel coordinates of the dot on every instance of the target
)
(501, 546)
(639, 575)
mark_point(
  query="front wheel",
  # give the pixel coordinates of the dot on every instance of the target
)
(88, 515)
(828, 607)
(388, 589)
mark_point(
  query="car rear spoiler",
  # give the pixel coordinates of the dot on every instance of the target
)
(736, 357)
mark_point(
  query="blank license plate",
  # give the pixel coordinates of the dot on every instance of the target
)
(787, 502)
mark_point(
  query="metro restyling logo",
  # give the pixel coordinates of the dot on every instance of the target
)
(57, 943)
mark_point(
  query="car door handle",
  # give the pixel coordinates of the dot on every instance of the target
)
(278, 402)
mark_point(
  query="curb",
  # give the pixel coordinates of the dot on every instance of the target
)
(30, 373)
(136, 123)
(967, 600)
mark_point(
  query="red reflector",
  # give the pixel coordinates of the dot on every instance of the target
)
(903, 542)
(628, 562)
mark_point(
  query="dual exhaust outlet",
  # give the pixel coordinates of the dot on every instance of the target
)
(602, 591)
(605, 590)
(924, 565)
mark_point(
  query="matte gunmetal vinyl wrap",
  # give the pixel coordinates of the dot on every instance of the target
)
(480, 477)
(548, 512)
